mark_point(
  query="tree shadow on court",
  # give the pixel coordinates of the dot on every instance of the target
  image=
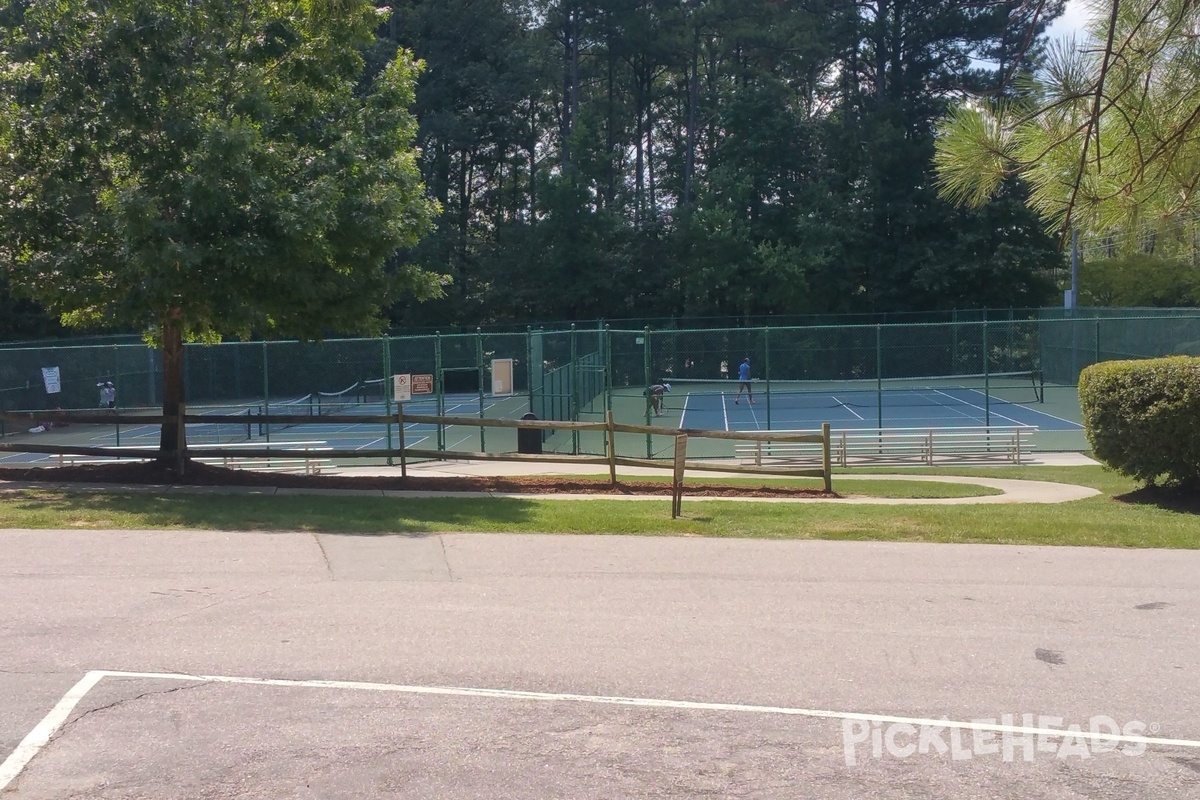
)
(356, 515)
(1168, 498)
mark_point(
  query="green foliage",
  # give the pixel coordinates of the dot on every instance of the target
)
(219, 167)
(1105, 134)
(1139, 279)
(1143, 418)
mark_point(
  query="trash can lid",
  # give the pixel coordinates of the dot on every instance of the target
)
(529, 415)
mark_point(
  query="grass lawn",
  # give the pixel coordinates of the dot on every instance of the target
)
(1098, 521)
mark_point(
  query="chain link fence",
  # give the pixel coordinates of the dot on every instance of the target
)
(868, 375)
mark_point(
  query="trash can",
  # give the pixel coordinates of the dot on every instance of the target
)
(529, 440)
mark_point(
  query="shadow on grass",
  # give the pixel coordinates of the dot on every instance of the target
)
(317, 514)
(1183, 501)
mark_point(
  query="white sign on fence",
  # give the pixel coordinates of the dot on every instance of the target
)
(402, 388)
(50, 376)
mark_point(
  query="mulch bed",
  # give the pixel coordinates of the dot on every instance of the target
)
(207, 475)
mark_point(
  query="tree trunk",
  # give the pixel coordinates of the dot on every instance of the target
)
(172, 361)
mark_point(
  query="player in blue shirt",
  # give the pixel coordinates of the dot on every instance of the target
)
(744, 382)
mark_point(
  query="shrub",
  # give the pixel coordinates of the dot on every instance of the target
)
(1143, 417)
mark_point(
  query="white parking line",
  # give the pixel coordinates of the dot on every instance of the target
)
(45, 730)
(40, 736)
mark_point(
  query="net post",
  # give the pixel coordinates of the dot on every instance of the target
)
(387, 393)
(612, 448)
(766, 332)
(440, 382)
(826, 457)
(647, 384)
(987, 388)
(400, 434)
(266, 392)
(482, 372)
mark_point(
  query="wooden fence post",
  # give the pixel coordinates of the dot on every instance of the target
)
(677, 481)
(403, 460)
(612, 450)
(826, 461)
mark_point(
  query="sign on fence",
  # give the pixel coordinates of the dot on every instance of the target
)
(402, 388)
(422, 384)
(502, 377)
(50, 376)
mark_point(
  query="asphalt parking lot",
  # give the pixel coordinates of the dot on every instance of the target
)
(156, 664)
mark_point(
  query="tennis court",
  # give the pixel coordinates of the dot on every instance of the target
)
(238, 424)
(966, 401)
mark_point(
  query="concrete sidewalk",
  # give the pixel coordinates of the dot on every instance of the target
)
(1014, 491)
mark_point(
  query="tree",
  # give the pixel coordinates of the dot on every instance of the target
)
(1105, 135)
(207, 169)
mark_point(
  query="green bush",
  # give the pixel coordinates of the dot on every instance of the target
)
(1143, 417)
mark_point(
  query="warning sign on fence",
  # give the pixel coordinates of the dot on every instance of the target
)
(402, 388)
(422, 384)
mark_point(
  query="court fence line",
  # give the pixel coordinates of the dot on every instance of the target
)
(582, 373)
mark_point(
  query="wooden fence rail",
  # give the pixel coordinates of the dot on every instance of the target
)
(181, 452)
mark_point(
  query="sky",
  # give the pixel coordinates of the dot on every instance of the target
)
(1071, 21)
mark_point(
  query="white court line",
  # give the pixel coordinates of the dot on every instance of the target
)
(683, 416)
(848, 408)
(980, 408)
(1044, 414)
(40, 736)
(725, 410)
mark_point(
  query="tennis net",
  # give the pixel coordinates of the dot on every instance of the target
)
(1022, 388)
(337, 402)
(300, 406)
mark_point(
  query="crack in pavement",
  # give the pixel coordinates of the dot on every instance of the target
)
(70, 723)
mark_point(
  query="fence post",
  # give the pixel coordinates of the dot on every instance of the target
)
(573, 392)
(987, 388)
(1097, 340)
(767, 369)
(116, 376)
(482, 375)
(387, 392)
(441, 388)
(608, 377)
(879, 373)
(646, 384)
(529, 364)
(612, 449)
(826, 460)
(180, 439)
(266, 391)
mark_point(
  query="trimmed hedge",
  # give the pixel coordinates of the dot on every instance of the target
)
(1143, 417)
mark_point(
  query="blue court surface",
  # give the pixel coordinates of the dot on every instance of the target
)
(241, 428)
(944, 407)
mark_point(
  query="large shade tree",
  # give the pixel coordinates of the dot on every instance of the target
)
(200, 170)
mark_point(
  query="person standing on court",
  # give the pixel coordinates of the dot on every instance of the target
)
(744, 382)
(655, 393)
